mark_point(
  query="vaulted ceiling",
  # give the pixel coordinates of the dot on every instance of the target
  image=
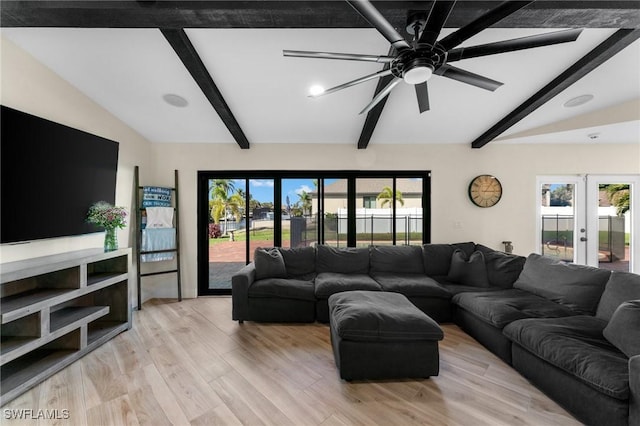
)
(224, 58)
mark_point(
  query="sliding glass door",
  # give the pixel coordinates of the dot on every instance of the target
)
(241, 211)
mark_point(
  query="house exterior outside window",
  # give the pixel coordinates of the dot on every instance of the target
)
(369, 202)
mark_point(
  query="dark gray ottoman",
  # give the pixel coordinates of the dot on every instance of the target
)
(382, 335)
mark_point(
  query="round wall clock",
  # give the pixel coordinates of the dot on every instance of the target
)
(485, 191)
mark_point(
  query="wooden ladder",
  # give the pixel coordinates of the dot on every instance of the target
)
(140, 252)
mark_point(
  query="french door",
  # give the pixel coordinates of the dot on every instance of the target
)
(590, 219)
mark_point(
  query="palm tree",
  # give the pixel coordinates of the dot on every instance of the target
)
(225, 201)
(305, 202)
(386, 195)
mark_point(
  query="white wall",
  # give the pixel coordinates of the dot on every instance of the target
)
(454, 217)
(29, 86)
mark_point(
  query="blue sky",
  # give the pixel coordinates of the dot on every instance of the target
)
(262, 189)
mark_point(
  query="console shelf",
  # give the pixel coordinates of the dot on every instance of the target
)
(55, 309)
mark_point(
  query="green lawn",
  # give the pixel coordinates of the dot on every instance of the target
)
(267, 235)
(257, 235)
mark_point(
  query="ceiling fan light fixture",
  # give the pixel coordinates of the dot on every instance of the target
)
(316, 90)
(417, 75)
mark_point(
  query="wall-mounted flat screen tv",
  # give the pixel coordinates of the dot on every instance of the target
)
(50, 175)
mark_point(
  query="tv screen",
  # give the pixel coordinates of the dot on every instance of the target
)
(50, 175)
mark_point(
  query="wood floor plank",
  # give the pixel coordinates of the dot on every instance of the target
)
(190, 390)
(248, 404)
(102, 376)
(164, 396)
(280, 389)
(147, 409)
(63, 399)
(118, 411)
(187, 363)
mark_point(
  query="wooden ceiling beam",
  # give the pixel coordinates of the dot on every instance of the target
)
(596, 57)
(173, 14)
(180, 42)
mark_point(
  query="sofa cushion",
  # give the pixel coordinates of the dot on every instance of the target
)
(502, 269)
(454, 288)
(328, 283)
(269, 263)
(622, 286)
(499, 308)
(397, 259)
(437, 257)
(577, 286)
(346, 260)
(300, 262)
(283, 288)
(623, 330)
(411, 285)
(468, 270)
(379, 317)
(575, 345)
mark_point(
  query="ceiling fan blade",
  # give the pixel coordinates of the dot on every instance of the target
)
(468, 77)
(484, 21)
(353, 82)
(422, 92)
(380, 23)
(529, 42)
(333, 55)
(436, 20)
(384, 92)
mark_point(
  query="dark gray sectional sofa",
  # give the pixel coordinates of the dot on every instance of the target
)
(573, 331)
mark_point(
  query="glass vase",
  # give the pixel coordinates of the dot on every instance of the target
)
(110, 239)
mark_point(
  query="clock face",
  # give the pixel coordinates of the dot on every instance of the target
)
(485, 191)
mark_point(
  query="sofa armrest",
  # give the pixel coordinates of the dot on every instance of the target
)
(634, 387)
(240, 283)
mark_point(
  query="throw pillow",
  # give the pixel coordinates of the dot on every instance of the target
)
(300, 262)
(471, 271)
(269, 263)
(503, 269)
(578, 287)
(621, 331)
(437, 257)
(622, 286)
(344, 260)
(396, 259)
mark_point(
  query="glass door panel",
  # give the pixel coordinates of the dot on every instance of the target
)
(261, 215)
(335, 210)
(300, 207)
(409, 215)
(611, 216)
(374, 211)
(227, 226)
(560, 226)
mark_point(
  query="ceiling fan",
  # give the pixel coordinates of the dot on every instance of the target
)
(416, 61)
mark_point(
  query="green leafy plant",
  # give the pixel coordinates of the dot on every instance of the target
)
(619, 197)
(386, 195)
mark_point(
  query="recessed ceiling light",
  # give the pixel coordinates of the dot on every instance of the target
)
(175, 100)
(593, 136)
(316, 90)
(578, 100)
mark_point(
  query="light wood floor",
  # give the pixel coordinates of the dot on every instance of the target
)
(188, 363)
